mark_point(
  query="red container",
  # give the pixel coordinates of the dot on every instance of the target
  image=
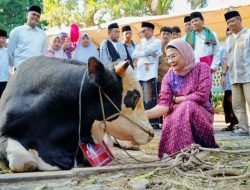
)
(97, 155)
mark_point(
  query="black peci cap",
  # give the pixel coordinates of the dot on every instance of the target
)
(3, 33)
(126, 28)
(35, 8)
(196, 15)
(148, 25)
(231, 14)
(187, 19)
(113, 25)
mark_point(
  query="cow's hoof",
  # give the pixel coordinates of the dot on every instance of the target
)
(29, 166)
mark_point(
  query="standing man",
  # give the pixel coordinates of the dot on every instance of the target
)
(127, 39)
(4, 62)
(147, 71)
(166, 37)
(27, 40)
(204, 42)
(187, 25)
(227, 102)
(111, 49)
(237, 48)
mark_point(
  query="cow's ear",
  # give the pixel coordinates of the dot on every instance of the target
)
(95, 68)
(121, 68)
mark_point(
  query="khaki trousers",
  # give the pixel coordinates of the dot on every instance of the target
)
(241, 95)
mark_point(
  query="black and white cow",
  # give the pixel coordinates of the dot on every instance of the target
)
(39, 111)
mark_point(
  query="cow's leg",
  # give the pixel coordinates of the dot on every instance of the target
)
(3, 145)
(42, 166)
(20, 160)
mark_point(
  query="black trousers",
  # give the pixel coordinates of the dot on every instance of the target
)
(228, 110)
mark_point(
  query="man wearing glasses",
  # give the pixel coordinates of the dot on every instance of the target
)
(237, 52)
(27, 40)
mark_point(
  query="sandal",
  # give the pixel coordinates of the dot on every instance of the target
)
(228, 128)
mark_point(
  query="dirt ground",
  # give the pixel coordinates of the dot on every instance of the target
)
(201, 173)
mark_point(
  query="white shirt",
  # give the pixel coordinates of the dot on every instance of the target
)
(202, 50)
(142, 53)
(237, 55)
(114, 44)
(25, 42)
(4, 65)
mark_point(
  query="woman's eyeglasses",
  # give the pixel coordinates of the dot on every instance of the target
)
(171, 57)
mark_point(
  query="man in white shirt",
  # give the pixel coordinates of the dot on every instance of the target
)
(237, 53)
(204, 42)
(111, 49)
(147, 67)
(4, 61)
(27, 40)
(127, 39)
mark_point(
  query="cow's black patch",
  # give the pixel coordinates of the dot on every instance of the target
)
(131, 99)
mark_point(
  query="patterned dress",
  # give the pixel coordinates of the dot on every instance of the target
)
(190, 121)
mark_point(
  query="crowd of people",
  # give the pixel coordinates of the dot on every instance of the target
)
(175, 72)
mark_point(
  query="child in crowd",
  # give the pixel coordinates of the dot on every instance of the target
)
(55, 49)
(4, 61)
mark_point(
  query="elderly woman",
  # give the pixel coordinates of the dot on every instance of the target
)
(184, 102)
(85, 49)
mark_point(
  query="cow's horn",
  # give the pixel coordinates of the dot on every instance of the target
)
(121, 68)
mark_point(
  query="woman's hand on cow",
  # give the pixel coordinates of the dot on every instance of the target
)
(157, 112)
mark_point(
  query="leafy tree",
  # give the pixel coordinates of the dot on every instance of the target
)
(59, 12)
(197, 3)
(14, 13)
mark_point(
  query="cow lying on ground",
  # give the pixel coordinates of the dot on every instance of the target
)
(39, 111)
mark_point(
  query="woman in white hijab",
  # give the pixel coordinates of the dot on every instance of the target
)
(85, 49)
(56, 49)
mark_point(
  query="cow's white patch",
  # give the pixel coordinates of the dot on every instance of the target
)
(20, 160)
(42, 166)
